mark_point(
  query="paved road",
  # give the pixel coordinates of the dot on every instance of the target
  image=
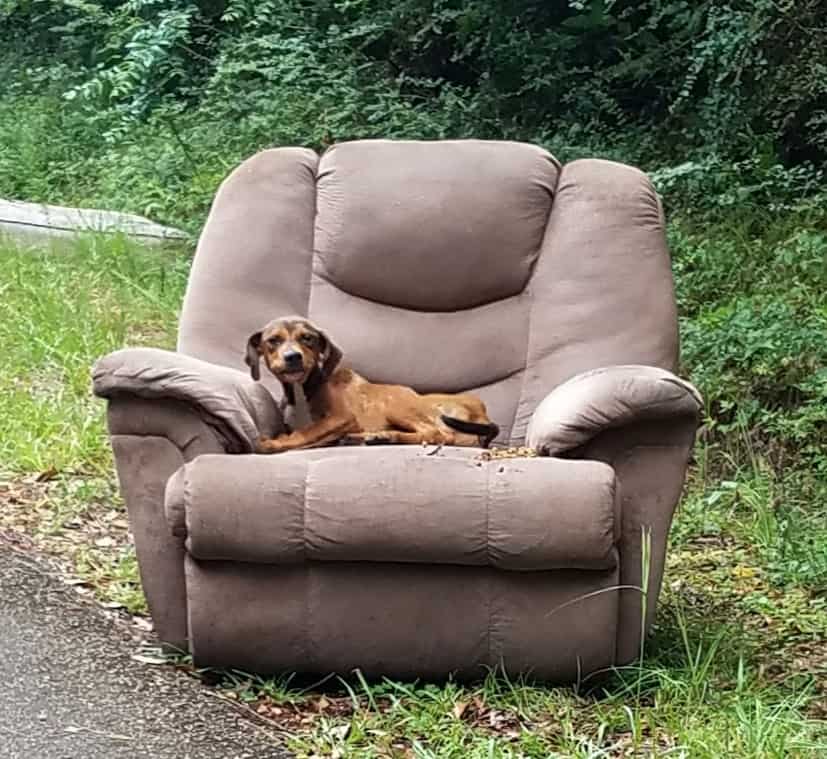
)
(69, 689)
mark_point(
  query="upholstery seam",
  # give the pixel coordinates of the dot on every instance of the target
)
(532, 303)
(532, 307)
(627, 454)
(552, 195)
(175, 445)
(182, 541)
(308, 573)
(308, 646)
(524, 381)
(488, 565)
(186, 515)
(304, 515)
(313, 224)
(617, 510)
(504, 378)
(488, 556)
(373, 301)
(170, 441)
(145, 434)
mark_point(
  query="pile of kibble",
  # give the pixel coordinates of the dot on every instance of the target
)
(518, 452)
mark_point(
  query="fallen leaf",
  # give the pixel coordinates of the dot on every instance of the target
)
(143, 623)
(105, 542)
(459, 709)
(46, 475)
(340, 731)
(154, 659)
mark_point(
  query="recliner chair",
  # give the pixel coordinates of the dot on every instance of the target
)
(452, 266)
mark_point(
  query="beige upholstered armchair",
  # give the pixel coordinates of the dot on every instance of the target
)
(452, 266)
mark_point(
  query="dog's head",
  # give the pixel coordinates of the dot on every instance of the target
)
(292, 348)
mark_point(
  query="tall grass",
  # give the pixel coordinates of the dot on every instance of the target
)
(61, 309)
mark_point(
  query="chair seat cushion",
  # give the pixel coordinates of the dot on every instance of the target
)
(397, 504)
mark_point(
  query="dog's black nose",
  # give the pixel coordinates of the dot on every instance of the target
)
(292, 360)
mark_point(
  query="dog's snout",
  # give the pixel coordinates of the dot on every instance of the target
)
(292, 359)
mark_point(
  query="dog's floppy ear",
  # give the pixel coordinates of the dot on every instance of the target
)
(330, 357)
(252, 356)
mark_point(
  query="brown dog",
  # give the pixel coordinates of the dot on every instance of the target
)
(325, 403)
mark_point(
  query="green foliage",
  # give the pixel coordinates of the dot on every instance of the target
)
(672, 76)
(719, 187)
(182, 91)
(753, 302)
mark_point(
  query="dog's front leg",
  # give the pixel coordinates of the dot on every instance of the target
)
(326, 430)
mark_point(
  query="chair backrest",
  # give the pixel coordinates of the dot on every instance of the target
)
(447, 266)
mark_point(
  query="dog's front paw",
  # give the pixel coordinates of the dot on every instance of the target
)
(262, 445)
(269, 445)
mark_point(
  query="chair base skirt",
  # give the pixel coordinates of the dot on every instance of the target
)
(401, 620)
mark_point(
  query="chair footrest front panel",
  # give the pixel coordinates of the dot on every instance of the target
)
(394, 504)
(401, 620)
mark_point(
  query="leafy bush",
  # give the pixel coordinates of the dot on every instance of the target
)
(665, 78)
(754, 318)
(727, 103)
(716, 186)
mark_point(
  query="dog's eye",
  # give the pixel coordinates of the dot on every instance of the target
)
(274, 341)
(308, 339)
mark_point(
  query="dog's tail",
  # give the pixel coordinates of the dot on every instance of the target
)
(486, 431)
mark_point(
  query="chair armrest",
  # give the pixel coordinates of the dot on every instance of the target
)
(590, 403)
(640, 420)
(166, 409)
(235, 407)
